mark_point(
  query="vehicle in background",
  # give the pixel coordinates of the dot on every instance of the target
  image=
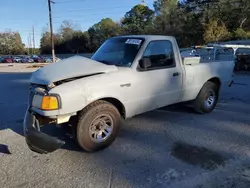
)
(38, 59)
(30, 60)
(189, 53)
(43, 58)
(26, 59)
(127, 76)
(7, 59)
(17, 59)
(49, 59)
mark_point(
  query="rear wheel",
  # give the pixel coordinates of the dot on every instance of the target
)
(98, 125)
(207, 99)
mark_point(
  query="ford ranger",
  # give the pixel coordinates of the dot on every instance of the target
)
(127, 76)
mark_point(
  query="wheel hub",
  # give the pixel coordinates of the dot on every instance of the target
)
(101, 128)
(210, 99)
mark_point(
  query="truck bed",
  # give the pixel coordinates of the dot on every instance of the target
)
(198, 74)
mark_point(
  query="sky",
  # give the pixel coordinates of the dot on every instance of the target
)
(23, 15)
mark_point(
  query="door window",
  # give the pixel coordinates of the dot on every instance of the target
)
(160, 54)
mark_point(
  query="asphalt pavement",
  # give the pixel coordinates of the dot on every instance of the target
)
(169, 147)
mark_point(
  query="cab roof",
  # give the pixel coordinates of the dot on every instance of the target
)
(147, 37)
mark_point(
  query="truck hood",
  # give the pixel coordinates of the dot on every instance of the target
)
(72, 67)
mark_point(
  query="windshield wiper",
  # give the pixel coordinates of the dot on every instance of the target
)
(106, 62)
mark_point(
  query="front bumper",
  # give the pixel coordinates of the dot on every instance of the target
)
(35, 139)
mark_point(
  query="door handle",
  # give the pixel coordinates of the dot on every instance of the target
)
(126, 85)
(176, 74)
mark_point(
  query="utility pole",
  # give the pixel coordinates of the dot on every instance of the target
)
(51, 31)
(33, 33)
(28, 45)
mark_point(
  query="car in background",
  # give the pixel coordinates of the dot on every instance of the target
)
(189, 53)
(17, 59)
(37, 59)
(49, 59)
(27, 59)
(7, 59)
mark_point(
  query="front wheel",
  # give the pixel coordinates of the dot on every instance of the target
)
(98, 125)
(207, 99)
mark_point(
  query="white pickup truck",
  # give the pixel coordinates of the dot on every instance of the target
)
(128, 75)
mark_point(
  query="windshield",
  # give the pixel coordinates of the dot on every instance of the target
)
(118, 51)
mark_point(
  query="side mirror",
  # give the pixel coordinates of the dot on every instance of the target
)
(145, 63)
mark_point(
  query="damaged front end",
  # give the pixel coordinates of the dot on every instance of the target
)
(44, 109)
(35, 139)
(46, 98)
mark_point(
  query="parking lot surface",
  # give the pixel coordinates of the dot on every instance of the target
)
(169, 147)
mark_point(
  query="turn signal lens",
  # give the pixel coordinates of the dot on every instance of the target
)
(49, 103)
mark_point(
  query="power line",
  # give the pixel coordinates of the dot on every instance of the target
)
(95, 9)
(76, 21)
(61, 2)
(104, 14)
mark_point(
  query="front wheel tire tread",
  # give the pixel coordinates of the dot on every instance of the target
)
(85, 118)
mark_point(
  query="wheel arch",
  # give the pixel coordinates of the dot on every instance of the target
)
(215, 80)
(114, 101)
(117, 103)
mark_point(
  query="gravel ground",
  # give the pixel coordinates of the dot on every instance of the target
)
(169, 147)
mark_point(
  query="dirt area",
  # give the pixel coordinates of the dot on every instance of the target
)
(20, 67)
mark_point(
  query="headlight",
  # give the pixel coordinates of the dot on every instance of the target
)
(49, 103)
(46, 102)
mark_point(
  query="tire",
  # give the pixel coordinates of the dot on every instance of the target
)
(98, 110)
(207, 98)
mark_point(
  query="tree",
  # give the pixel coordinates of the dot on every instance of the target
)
(79, 42)
(18, 46)
(101, 31)
(138, 20)
(215, 32)
(66, 30)
(45, 43)
(168, 16)
(233, 13)
(11, 43)
(67, 40)
(165, 6)
(241, 34)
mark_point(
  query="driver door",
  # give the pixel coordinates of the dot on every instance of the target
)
(161, 83)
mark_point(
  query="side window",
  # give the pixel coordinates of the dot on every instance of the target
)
(160, 54)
